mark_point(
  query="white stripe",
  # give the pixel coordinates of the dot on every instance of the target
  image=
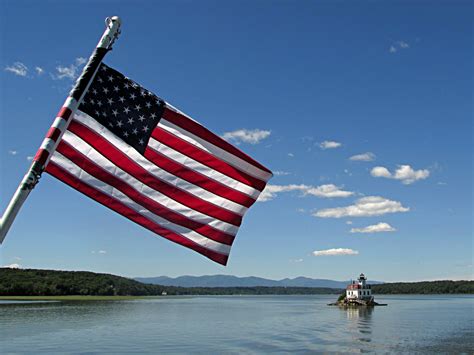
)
(202, 169)
(47, 144)
(156, 171)
(144, 189)
(88, 179)
(214, 150)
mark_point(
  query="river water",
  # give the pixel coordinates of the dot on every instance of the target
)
(239, 324)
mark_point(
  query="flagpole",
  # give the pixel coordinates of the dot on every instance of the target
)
(60, 124)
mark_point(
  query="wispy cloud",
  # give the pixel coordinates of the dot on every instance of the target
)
(99, 252)
(329, 145)
(39, 70)
(405, 173)
(13, 152)
(70, 72)
(29, 157)
(252, 136)
(363, 157)
(291, 155)
(296, 260)
(281, 173)
(335, 252)
(324, 191)
(363, 207)
(398, 45)
(18, 68)
(375, 228)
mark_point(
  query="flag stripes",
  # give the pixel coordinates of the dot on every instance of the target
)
(189, 186)
(64, 174)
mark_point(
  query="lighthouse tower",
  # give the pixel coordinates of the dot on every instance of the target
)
(359, 290)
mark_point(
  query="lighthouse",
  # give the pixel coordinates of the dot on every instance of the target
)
(359, 290)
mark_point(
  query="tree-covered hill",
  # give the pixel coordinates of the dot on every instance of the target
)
(425, 287)
(32, 282)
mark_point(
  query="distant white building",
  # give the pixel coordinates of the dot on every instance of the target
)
(359, 290)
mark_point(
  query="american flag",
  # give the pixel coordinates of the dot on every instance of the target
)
(131, 151)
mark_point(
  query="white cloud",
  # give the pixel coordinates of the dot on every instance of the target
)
(13, 266)
(281, 173)
(348, 222)
(375, 228)
(380, 171)
(71, 72)
(296, 260)
(29, 157)
(405, 173)
(363, 207)
(39, 70)
(102, 252)
(334, 252)
(403, 44)
(252, 136)
(18, 68)
(328, 191)
(363, 157)
(291, 155)
(325, 191)
(398, 45)
(13, 152)
(329, 145)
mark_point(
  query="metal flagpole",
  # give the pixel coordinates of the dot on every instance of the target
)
(60, 124)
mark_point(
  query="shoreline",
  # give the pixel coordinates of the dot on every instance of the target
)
(125, 298)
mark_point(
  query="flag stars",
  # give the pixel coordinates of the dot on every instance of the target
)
(133, 96)
(120, 124)
(110, 78)
(126, 134)
(94, 91)
(126, 86)
(148, 105)
(116, 89)
(130, 120)
(141, 118)
(99, 103)
(100, 80)
(122, 99)
(145, 129)
(138, 107)
(105, 90)
(115, 112)
(153, 115)
(110, 101)
(141, 141)
(126, 110)
(135, 131)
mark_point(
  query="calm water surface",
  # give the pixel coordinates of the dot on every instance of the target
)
(239, 324)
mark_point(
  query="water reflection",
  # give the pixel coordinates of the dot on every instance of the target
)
(360, 324)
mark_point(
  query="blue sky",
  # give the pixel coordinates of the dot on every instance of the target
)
(388, 84)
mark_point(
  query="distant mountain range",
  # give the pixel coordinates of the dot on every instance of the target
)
(234, 281)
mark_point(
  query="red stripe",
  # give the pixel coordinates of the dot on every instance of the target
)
(129, 213)
(64, 113)
(53, 133)
(198, 130)
(197, 178)
(124, 162)
(206, 158)
(41, 156)
(90, 167)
